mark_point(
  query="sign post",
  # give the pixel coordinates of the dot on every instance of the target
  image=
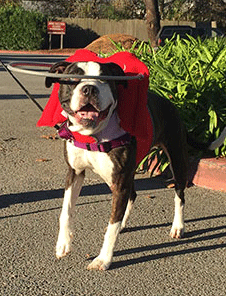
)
(56, 28)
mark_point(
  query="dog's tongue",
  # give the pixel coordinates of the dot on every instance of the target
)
(89, 112)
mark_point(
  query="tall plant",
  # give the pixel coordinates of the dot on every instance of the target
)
(191, 74)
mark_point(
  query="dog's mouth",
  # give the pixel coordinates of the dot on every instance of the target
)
(89, 113)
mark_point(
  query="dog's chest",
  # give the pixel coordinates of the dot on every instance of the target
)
(99, 162)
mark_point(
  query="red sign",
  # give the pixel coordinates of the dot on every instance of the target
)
(56, 27)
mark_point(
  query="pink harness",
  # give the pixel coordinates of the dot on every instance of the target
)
(66, 134)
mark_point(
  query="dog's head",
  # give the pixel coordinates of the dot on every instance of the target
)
(89, 103)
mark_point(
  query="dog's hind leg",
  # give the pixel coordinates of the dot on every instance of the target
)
(178, 228)
(170, 134)
(178, 163)
(72, 191)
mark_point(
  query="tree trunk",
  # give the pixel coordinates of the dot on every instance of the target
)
(153, 20)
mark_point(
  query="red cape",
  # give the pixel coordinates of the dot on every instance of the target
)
(132, 106)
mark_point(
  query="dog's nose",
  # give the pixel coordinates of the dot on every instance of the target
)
(90, 90)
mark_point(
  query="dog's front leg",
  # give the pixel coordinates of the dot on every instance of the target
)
(104, 259)
(129, 207)
(72, 191)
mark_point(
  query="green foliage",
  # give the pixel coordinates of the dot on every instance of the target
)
(103, 9)
(191, 74)
(21, 29)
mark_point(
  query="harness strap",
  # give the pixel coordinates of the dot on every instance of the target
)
(66, 134)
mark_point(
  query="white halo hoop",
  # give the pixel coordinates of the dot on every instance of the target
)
(40, 70)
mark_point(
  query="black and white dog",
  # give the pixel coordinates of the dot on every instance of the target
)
(91, 108)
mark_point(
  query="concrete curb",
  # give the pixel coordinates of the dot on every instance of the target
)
(211, 174)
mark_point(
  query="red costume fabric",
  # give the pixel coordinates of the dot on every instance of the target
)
(132, 105)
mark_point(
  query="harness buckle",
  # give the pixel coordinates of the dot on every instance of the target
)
(88, 147)
(104, 147)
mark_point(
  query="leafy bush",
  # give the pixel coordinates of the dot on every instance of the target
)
(117, 10)
(21, 29)
(191, 74)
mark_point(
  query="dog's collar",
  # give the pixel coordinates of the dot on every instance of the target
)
(90, 143)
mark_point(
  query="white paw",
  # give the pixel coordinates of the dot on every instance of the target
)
(63, 246)
(98, 264)
(177, 231)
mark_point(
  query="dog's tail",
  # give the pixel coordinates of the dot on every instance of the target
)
(218, 142)
(209, 145)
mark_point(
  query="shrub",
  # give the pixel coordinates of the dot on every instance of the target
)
(117, 10)
(191, 74)
(21, 29)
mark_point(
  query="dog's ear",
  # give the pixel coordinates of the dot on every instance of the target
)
(116, 70)
(56, 68)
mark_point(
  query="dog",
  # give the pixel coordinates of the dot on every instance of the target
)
(90, 105)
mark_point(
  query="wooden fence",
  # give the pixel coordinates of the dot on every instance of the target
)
(81, 32)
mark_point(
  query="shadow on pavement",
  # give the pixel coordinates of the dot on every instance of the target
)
(183, 245)
(147, 258)
(97, 189)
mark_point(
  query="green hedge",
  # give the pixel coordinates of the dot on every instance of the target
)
(191, 74)
(21, 29)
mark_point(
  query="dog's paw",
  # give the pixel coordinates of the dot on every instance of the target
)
(177, 231)
(98, 264)
(63, 246)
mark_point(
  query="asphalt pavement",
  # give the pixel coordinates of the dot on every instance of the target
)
(147, 261)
